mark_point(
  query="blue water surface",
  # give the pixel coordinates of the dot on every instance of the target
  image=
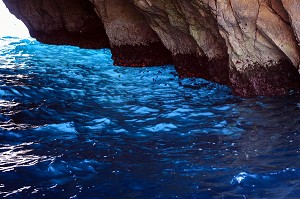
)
(72, 125)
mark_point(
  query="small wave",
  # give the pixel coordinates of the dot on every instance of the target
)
(161, 127)
(252, 179)
(58, 128)
(145, 110)
(98, 124)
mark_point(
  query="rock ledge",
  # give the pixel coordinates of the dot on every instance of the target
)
(250, 45)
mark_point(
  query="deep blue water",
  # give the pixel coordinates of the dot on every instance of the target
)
(72, 125)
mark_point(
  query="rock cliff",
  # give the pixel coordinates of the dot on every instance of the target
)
(251, 45)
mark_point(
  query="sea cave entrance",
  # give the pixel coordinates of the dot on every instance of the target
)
(10, 25)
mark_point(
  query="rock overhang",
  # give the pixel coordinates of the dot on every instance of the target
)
(250, 45)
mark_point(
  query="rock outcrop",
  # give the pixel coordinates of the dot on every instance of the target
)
(292, 7)
(133, 42)
(264, 55)
(251, 45)
(61, 22)
(192, 35)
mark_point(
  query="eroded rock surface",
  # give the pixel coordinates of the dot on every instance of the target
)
(292, 7)
(261, 45)
(61, 22)
(191, 34)
(133, 42)
(252, 45)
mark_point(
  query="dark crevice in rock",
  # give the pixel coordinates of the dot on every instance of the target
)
(275, 79)
(193, 65)
(141, 55)
(93, 40)
(219, 70)
(190, 65)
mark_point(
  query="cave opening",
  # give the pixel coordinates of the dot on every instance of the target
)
(76, 123)
(10, 25)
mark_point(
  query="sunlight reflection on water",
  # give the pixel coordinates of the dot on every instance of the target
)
(12, 157)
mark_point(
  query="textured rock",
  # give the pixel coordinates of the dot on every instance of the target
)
(133, 42)
(293, 7)
(191, 34)
(252, 45)
(61, 22)
(261, 41)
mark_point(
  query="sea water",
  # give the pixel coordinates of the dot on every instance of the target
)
(72, 125)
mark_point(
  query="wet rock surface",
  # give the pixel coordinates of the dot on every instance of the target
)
(250, 45)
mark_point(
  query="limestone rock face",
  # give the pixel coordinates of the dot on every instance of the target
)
(261, 46)
(260, 42)
(61, 22)
(292, 7)
(133, 42)
(191, 33)
(251, 45)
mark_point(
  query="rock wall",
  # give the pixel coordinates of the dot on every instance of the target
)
(133, 42)
(264, 55)
(61, 22)
(191, 34)
(292, 7)
(251, 45)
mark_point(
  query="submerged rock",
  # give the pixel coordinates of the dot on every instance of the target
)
(251, 45)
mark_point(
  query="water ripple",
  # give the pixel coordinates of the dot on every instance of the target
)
(12, 157)
(74, 125)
